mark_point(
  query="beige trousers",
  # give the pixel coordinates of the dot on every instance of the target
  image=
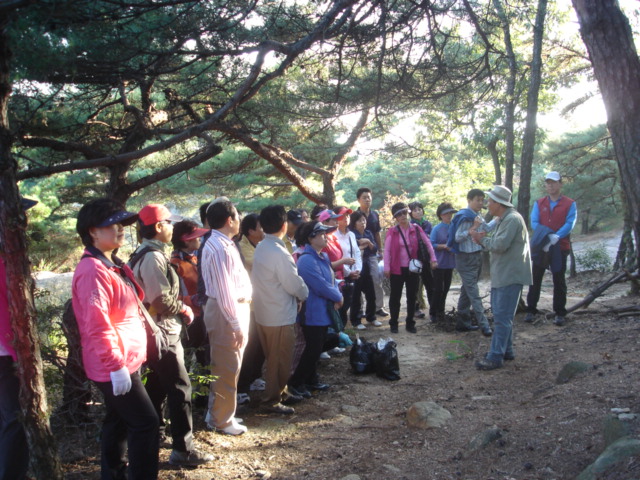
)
(277, 343)
(226, 359)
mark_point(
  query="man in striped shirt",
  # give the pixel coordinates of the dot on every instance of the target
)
(226, 313)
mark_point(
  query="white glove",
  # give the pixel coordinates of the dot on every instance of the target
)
(121, 381)
(187, 314)
(553, 238)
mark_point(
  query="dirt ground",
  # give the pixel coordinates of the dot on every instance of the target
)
(549, 430)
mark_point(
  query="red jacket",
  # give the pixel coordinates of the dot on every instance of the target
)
(109, 319)
(556, 218)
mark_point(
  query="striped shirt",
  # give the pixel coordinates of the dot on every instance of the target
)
(224, 275)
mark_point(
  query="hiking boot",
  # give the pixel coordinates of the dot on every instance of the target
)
(280, 408)
(290, 399)
(411, 329)
(242, 398)
(300, 391)
(530, 317)
(190, 459)
(486, 364)
(382, 312)
(559, 321)
(509, 356)
(486, 331)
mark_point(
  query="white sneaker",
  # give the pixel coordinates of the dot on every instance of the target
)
(233, 429)
(211, 426)
(376, 323)
(242, 398)
(361, 327)
(325, 356)
(258, 385)
(337, 350)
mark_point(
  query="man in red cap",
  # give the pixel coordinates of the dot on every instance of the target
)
(168, 378)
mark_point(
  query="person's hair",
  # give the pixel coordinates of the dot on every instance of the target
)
(249, 222)
(301, 211)
(147, 231)
(93, 213)
(302, 233)
(397, 207)
(475, 192)
(363, 190)
(203, 212)
(355, 216)
(272, 218)
(219, 212)
(442, 207)
(414, 205)
(179, 229)
(316, 210)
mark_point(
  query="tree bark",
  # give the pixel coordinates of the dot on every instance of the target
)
(44, 457)
(510, 107)
(531, 123)
(607, 35)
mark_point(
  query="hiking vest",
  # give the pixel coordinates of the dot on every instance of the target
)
(556, 218)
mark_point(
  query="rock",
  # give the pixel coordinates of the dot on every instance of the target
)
(351, 476)
(392, 469)
(264, 474)
(427, 415)
(613, 429)
(570, 370)
(483, 439)
(614, 455)
(350, 409)
(620, 410)
(626, 417)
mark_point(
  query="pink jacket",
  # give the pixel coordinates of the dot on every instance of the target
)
(6, 335)
(109, 320)
(395, 253)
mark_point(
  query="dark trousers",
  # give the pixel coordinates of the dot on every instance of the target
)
(397, 283)
(559, 288)
(347, 295)
(168, 379)
(441, 284)
(14, 452)
(364, 284)
(252, 360)
(305, 372)
(196, 337)
(131, 421)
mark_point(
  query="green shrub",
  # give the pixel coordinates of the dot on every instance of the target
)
(594, 258)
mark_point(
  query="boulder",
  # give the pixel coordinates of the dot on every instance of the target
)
(427, 415)
(615, 455)
(570, 370)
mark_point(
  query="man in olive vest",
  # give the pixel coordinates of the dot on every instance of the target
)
(552, 219)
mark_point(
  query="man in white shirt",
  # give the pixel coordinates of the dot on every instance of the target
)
(226, 313)
(277, 291)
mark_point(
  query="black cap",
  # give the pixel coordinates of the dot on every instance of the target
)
(27, 203)
(294, 217)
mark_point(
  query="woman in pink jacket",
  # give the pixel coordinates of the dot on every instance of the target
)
(400, 247)
(114, 343)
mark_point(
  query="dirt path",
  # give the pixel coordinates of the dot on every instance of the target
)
(359, 426)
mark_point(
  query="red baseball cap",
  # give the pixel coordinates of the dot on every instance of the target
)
(198, 232)
(155, 212)
(344, 211)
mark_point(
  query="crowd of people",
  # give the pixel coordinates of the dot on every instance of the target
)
(262, 297)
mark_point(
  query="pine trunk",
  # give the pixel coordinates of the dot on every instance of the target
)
(609, 40)
(44, 459)
(529, 137)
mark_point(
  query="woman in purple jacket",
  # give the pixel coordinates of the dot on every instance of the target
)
(114, 343)
(315, 269)
(446, 261)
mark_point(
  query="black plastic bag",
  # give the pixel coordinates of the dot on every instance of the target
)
(361, 356)
(385, 361)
